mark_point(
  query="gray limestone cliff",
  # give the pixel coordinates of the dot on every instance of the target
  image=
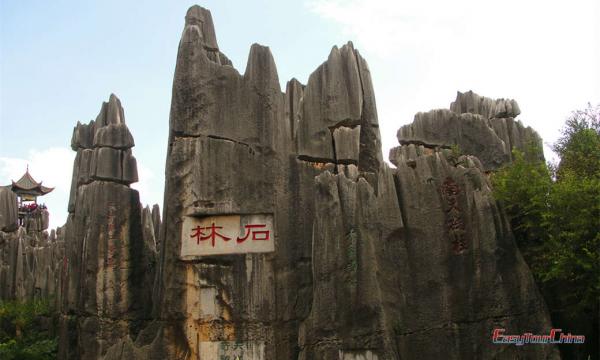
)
(8, 209)
(478, 125)
(369, 262)
(460, 273)
(110, 248)
(31, 265)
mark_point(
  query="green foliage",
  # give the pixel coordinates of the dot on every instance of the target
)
(523, 188)
(555, 212)
(579, 145)
(22, 335)
(573, 245)
(454, 154)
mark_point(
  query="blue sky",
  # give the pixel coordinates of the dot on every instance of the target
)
(59, 60)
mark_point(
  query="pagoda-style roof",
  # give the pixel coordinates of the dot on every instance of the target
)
(27, 185)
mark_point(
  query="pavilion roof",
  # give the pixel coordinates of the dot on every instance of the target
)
(27, 184)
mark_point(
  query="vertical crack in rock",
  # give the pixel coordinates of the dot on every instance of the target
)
(334, 151)
(294, 97)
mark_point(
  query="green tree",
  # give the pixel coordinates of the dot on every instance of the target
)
(572, 250)
(579, 145)
(523, 189)
(24, 335)
(574, 212)
(554, 211)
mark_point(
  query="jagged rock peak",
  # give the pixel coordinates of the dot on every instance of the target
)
(83, 135)
(478, 125)
(103, 150)
(111, 112)
(344, 81)
(201, 18)
(470, 102)
(109, 129)
(261, 65)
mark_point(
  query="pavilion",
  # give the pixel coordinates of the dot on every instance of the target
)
(28, 190)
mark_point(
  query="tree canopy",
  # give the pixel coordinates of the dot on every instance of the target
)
(24, 330)
(554, 211)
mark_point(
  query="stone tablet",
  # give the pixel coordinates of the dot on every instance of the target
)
(232, 350)
(226, 234)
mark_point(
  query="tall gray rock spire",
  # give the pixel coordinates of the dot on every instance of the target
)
(103, 150)
(109, 260)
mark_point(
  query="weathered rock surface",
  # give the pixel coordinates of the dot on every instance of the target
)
(156, 222)
(8, 210)
(339, 94)
(479, 126)
(346, 144)
(31, 264)
(472, 103)
(110, 245)
(110, 268)
(351, 234)
(115, 136)
(443, 128)
(459, 269)
(103, 149)
(37, 220)
(348, 311)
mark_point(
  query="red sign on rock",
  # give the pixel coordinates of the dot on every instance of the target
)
(226, 234)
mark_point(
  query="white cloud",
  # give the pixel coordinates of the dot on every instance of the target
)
(146, 186)
(54, 167)
(544, 54)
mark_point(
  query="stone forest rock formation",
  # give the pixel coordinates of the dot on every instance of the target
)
(109, 241)
(478, 125)
(8, 207)
(368, 261)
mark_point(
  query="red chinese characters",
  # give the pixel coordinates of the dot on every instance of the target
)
(255, 232)
(198, 233)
